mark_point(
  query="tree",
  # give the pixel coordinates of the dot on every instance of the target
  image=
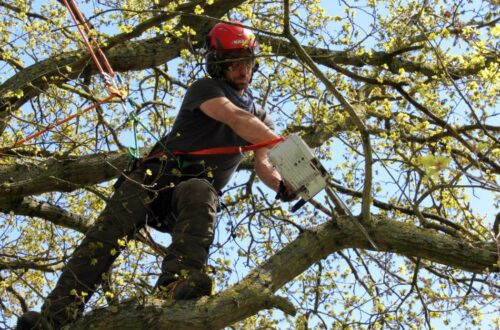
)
(398, 98)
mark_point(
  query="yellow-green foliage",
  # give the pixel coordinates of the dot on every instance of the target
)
(422, 77)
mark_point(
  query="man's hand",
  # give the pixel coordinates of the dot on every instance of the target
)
(285, 193)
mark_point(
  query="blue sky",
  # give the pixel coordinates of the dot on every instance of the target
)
(482, 201)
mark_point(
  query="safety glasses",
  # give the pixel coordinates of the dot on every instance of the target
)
(240, 63)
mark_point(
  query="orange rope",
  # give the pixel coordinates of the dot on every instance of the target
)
(62, 121)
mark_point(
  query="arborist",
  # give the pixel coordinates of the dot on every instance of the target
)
(174, 189)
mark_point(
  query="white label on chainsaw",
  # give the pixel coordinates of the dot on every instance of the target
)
(296, 163)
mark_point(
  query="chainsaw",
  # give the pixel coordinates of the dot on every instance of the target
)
(305, 174)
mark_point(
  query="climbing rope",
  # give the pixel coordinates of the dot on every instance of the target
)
(100, 60)
(62, 121)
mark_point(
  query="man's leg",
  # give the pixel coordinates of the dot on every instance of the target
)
(194, 208)
(123, 216)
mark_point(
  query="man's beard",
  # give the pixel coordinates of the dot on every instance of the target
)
(240, 83)
(239, 86)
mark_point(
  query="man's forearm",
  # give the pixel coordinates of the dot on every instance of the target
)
(265, 171)
(244, 124)
(251, 128)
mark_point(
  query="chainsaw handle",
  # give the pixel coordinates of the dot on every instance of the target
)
(298, 205)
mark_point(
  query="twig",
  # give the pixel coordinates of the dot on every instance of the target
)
(365, 138)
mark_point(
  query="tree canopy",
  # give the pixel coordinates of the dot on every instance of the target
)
(397, 98)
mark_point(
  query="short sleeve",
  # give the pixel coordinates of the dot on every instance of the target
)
(200, 91)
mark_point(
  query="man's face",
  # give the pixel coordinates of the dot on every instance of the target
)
(238, 72)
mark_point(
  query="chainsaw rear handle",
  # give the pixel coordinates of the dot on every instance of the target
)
(298, 205)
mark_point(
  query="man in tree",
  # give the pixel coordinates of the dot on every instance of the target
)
(176, 194)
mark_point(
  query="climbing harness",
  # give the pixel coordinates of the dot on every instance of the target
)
(219, 150)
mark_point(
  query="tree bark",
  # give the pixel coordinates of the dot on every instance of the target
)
(26, 179)
(257, 290)
(32, 208)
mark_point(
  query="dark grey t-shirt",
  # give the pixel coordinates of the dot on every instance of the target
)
(193, 130)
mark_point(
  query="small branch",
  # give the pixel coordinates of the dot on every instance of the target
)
(413, 284)
(354, 272)
(22, 301)
(449, 128)
(26, 264)
(365, 138)
(20, 11)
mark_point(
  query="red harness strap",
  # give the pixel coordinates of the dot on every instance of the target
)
(215, 151)
(230, 150)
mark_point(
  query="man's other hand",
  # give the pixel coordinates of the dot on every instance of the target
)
(285, 192)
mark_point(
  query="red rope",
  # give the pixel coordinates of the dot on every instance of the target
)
(86, 33)
(62, 121)
(215, 151)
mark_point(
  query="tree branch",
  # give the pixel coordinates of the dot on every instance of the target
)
(256, 291)
(57, 175)
(55, 214)
(365, 137)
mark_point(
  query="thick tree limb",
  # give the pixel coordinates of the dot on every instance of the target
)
(26, 179)
(53, 213)
(256, 291)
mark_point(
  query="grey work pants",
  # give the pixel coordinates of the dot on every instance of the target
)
(187, 210)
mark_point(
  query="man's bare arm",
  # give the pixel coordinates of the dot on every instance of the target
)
(265, 170)
(243, 123)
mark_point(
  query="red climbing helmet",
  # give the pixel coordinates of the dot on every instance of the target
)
(230, 37)
(226, 42)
